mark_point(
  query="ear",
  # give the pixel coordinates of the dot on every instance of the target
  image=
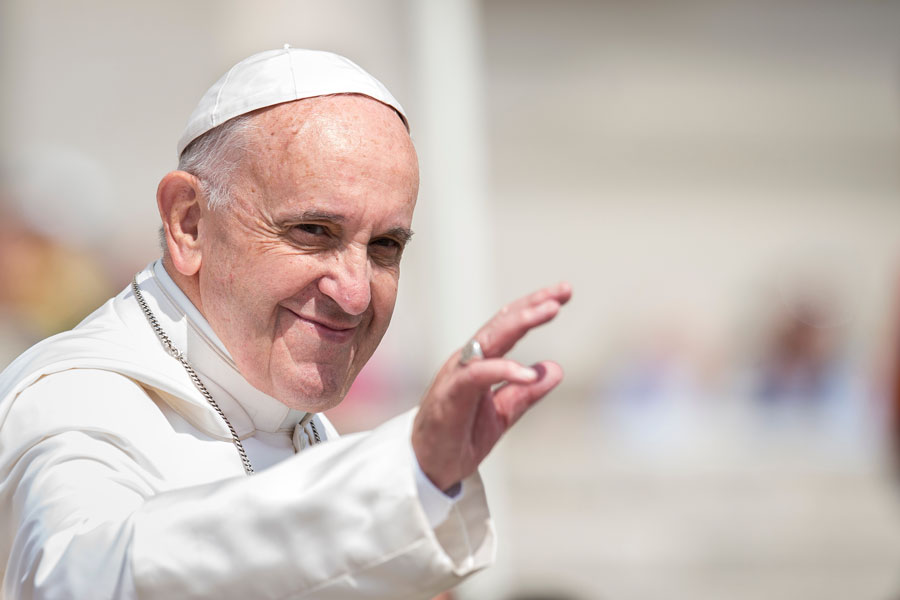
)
(178, 198)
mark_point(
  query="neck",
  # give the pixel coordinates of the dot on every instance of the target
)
(245, 406)
(190, 285)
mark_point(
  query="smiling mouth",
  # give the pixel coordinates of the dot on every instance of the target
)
(329, 331)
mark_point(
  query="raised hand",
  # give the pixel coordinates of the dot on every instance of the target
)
(465, 411)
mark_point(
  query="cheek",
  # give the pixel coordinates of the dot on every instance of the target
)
(272, 280)
(241, 294)
(384, 296)
(261, 287)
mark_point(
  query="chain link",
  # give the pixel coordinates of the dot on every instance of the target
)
(176, 353)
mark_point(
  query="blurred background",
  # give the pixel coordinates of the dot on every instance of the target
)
(719, 180)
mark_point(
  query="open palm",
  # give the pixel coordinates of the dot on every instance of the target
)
(469, 407)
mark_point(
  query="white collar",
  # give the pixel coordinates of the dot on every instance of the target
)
(247, 408)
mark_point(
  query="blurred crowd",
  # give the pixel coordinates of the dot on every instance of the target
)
(796, 377)
(46, 284)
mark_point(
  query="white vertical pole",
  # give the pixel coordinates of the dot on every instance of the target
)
(454, 201)
(450, 137)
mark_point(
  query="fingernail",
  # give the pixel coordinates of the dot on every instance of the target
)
(527, 374)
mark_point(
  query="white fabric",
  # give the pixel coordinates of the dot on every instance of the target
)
(276, 76)
(117, 480)
(248, 409)
(267, 445)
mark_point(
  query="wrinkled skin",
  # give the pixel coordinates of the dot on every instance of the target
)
(298, 275)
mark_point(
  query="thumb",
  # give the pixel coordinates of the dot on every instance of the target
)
(512, 400)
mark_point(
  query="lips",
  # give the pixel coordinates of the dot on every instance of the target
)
(326, 329)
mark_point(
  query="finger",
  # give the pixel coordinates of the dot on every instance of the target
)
(513, 399)
(464, 387)
(481, 375)
(500, 334)
(561, 292)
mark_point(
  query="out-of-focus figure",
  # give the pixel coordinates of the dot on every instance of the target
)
(800, 363)
(45, 285)
(806, 387)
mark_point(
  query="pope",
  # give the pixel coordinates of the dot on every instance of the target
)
(172, 445)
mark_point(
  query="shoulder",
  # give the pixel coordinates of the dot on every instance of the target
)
(83, 388)
(92, 400)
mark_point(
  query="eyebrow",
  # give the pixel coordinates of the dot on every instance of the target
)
(320, 215)
(403, 234)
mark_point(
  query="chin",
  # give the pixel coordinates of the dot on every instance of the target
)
(311, 398)
(316, 405)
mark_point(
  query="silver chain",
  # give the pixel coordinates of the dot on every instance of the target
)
(177, 354)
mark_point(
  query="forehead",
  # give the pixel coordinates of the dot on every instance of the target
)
(328, 153)
(341, 127)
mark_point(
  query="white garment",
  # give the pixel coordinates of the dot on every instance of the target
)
(118, 480)
(272, 433)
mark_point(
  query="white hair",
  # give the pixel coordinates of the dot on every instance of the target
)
(213, 157)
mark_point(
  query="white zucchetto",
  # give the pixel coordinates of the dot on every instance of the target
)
(276, 76)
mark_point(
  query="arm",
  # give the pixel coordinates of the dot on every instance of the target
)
(111, 503)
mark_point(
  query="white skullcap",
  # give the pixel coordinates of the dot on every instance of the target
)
(278, 76)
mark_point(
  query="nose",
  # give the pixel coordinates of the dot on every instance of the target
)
(348, 281)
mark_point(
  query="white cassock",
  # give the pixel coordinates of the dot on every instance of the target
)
(119, 480)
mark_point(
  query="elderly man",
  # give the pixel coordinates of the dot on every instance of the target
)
(125, 444)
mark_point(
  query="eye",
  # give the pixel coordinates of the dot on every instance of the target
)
(313, 235)
(386, 243)
(386, 250)
(311, 229)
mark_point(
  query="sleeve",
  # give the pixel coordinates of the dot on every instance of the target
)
(436, 503)
(342, 520)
